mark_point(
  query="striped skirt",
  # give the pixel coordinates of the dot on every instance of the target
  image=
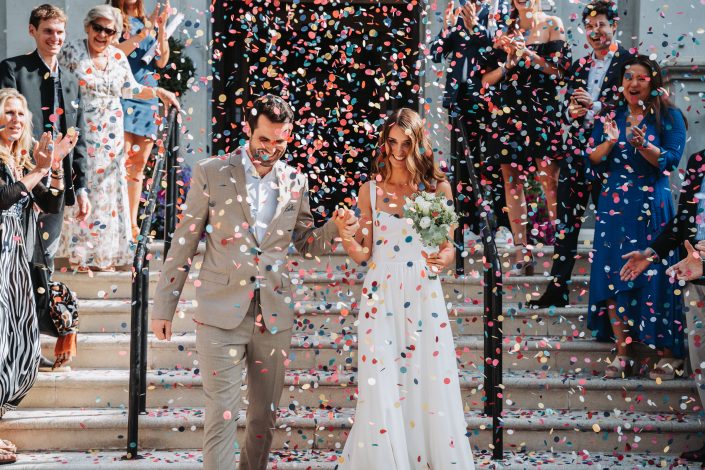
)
(19, 334)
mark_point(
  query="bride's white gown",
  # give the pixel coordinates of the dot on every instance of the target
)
(409, 410)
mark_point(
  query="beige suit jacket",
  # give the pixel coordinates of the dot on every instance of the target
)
(234, 261)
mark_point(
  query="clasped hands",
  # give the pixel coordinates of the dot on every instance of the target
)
(515, 47)
(347, 222)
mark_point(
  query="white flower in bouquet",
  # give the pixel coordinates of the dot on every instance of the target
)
(432, 216)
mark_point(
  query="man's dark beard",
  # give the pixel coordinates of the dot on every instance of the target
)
(255, 155)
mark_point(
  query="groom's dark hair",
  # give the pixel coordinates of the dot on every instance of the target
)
(274, 107)
(601, 7)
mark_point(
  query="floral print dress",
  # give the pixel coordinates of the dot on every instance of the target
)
(103, 239)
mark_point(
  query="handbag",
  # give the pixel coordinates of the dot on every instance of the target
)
(57, 305)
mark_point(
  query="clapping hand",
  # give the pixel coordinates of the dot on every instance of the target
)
(611, 130)
(163, 16)
(43, 152)
(576, 109)
(638, 137)
(64, 144)
(469, 15)
(690, 267)
(347, 223)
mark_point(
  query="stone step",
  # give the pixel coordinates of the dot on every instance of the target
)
(473, 257)
(327, 287)
(113, 316)
(303, 429)
(331, 351)
(91, 388)
(191, 459)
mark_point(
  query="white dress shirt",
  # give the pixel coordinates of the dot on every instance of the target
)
(596, 77)
(262, 195)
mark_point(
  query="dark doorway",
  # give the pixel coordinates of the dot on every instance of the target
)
(343, 65)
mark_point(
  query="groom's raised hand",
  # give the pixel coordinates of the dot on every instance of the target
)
(162, 329)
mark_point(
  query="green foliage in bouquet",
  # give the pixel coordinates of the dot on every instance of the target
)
(178, 71)
(432, 216)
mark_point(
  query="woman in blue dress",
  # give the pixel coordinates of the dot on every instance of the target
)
(633, 150)
(141, 116)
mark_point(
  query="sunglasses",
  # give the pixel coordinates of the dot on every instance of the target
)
(102, 29)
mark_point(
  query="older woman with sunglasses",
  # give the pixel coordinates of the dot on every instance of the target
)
(102, 241)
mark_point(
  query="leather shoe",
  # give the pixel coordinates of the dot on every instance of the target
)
(554, 296)
(697, 455)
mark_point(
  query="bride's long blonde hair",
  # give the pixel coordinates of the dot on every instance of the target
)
(420, 163)
(19, 152)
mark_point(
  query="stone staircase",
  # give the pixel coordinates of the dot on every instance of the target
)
(559, 409)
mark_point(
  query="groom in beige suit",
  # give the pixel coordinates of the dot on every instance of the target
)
(251, 206)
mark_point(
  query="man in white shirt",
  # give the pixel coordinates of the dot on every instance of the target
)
(251, 206)
(593, 89)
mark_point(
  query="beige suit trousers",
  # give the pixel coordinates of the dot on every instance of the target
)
(222, 355)
(695, 321)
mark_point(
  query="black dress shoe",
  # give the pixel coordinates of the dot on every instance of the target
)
(553, 297)
(697, 455)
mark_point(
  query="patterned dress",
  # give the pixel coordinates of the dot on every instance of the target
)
(103, 239)
(19, 341)
(140, 116)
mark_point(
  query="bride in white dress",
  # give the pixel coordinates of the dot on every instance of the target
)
(409, 409)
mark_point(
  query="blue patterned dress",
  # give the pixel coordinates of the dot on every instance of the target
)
(635, 204)
(140, 114)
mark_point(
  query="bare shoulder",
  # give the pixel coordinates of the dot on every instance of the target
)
(363, 196)
(445, 189)
(555, 28)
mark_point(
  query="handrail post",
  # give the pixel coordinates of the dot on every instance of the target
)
(492, 296)
(144, 282)
(136, 353)
(171, 190)
(140, 305)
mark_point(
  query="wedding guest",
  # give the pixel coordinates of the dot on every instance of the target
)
(593, 88)
(687, 228)
(141, 116)
(53, 97)
(102, 241)
(468, 31)
(21, 174)
(634, 152)
(522, 75)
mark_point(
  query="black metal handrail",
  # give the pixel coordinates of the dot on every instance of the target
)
(492, 301)
(140, 292)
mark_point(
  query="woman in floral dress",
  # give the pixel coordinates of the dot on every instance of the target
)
(102, 240)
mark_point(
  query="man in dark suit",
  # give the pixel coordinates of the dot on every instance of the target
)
(592, 90)
(469, 30)
(687, 229)
(53, 98)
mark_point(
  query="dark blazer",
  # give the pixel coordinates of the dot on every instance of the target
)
(47, 199)
(463, 49)
(683, 227)
(577, 77)
(30, 76)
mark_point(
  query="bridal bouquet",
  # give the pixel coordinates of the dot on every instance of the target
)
(432, 216)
